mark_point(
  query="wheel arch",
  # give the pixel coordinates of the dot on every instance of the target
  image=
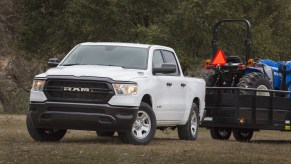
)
(196, 100)
(147, 98)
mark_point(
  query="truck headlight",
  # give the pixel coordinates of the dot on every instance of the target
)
(125, 89)
(37, 85)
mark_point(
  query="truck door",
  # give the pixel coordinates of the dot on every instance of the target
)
(171, 91)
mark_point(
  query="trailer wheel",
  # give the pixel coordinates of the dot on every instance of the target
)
(220, 133)
(243, 135)
(255, 80)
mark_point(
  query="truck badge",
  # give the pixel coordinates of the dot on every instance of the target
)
(71, 89)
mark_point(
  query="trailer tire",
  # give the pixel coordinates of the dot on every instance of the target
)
(189, 131)
(143, 129)
(243, 135)
(105, 134)
(255, 80)
(220, 133)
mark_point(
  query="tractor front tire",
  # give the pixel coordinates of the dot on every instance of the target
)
(255, 80)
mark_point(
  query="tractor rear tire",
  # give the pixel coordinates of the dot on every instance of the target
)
(220, 133)
(255, 80)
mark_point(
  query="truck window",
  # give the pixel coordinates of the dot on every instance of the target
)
(157, 59)
(170, 58)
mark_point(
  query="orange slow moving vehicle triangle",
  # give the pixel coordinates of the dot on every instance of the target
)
(219, 58)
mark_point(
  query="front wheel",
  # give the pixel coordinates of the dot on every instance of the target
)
(143, 129)
(220, 133)
(189, 131)
(243, 134)
(41, 134)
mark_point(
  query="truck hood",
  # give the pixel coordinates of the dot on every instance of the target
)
(115, 73)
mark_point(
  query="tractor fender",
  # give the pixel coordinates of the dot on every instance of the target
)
(252, 69)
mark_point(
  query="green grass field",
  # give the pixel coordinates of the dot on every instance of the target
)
(16, 146)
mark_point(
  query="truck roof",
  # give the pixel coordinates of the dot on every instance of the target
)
(120, 44)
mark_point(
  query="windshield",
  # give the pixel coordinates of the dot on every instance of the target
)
(125, 57)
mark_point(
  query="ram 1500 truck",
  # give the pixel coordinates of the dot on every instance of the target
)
(131, 89)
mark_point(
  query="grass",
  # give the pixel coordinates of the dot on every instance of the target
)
(16, 146)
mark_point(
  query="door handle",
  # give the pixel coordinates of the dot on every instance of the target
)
(183, 84)
(169, 84)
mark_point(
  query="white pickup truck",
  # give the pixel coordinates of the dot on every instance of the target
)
(132, 89)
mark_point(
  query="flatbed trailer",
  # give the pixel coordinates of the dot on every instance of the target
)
(242, 111)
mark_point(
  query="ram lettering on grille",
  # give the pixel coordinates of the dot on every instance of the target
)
(71, 89)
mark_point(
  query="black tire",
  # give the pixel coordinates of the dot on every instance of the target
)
(39, 134)
(255, 80)
(243, 135)
(189, 131)
(220, 133)
(132, 137)
(105, 134)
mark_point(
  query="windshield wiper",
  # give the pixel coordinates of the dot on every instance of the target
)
(111, 65)
(71, 64)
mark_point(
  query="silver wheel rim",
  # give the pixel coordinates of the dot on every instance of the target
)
(262, 87)
(245, 134)
(222, 132)
(193, 123)
(142, 125)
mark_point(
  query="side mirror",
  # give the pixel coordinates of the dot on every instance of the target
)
(166, 69)
(53, 62)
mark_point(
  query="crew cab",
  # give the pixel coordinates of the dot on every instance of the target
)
(131, 89)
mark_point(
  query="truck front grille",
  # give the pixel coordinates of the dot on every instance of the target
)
(78, 90)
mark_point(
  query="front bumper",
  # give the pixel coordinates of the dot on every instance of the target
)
(82, 116)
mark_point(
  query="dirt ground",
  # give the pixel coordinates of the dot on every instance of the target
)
(16, 146)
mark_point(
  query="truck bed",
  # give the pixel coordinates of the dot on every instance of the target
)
(228, 107)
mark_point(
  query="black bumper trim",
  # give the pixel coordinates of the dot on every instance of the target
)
(82, 116)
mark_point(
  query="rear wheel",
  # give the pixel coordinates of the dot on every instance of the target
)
(255, 80)
(105, 134)
(42, 134)
(189, 131)
(143, 129)
(220, 133)
(243, 134)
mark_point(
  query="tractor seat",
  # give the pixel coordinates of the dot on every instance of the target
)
(233, 60)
